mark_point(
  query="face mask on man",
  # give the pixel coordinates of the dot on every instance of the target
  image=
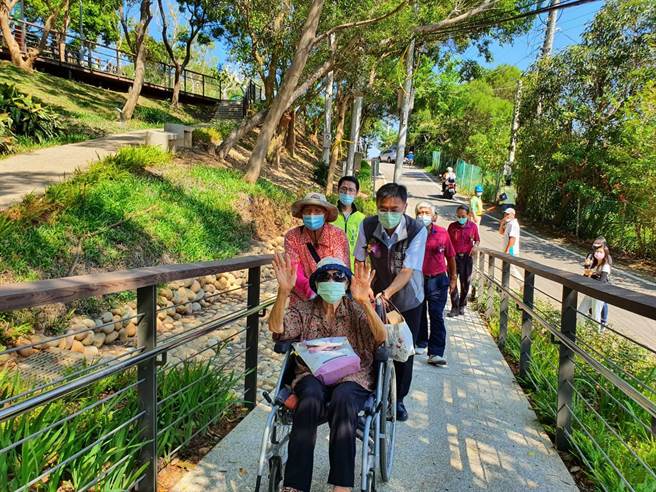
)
(331, 292)
(478, 193)
(462, 220)
(313, 222)
(346, 199)
(389, 220)
(425, 219)
(599, 255)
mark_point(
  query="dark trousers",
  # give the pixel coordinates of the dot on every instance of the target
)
(404, 369)
(436, 290)
(346, 400)
(464, 269)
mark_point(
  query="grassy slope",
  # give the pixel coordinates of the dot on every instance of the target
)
(91, 110)
(132, 210)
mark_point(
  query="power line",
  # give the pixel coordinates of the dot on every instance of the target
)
(465, 29)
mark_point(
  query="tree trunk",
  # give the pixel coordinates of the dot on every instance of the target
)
(283, 99)
(342, 106)
(140, 61)
(248, 125)
(356, 113)
(405, 112)
(328, 111)
(62, 36)
(238, 133)
(8, 36)
(175, 98)
(290, 139)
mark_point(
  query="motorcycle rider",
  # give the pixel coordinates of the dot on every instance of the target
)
(449, 177)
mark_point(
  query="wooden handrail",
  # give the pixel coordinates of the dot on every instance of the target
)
(636, 302)
(67, 289)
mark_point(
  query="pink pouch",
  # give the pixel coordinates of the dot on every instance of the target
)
(329, 359)
(334, 370)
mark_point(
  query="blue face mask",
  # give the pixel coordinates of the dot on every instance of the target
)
(313, 222)
(389, 220)
(462, 220)
(346, 199)
(426, 219)
(331, 292)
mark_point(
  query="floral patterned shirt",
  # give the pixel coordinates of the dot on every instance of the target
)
(305, 320)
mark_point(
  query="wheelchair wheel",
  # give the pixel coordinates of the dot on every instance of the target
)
(388, 424)
(275, 473)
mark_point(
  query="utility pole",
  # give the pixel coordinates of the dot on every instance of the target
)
(513, 132)
(328, 111)
(547, 46)
(405, 111)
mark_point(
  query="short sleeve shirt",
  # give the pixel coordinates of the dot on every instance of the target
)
(464, 237)
(438, 248)
(414, 257)
(306, 320)
(332, 242)
(476, 205)
(512, 230)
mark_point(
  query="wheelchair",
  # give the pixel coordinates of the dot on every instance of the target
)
(376, 424)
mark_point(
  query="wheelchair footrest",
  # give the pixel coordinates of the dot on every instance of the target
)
(287, 398)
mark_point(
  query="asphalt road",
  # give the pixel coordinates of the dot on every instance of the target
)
(421, 186)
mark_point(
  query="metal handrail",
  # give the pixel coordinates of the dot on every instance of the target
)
(636, 302)
(574, 350)
(65, 389)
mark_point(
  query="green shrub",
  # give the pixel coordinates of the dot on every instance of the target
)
(320, 173)
(155, 116)
(24, 117)
(628, 421)
(136, 158)
(7, 139)
(224, 127)
(207, 136)
(193, 395)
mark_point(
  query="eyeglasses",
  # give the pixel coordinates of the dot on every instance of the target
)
(334, 276)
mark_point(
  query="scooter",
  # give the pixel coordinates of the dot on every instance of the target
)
(449, 190)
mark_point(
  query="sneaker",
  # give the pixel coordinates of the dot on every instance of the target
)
(420, 350)
(436, 360)
(461, 311)
(401, 412)
(453, 313)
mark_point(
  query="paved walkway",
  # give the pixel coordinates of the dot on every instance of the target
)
(34, 172)
(470, 428)
(421, 186)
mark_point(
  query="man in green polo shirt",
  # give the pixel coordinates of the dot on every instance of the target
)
(349, 216)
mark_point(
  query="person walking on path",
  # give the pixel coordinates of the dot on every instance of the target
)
(395, 244)
(464, 237)
(476, 209)
(599, 269)
(307, 244)
(349, 217)
(437, 285)
(510, 230)
(508, 196)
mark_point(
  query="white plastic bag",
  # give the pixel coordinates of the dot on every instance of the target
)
(399, 337)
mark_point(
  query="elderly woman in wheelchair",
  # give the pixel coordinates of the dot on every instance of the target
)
(331, 314)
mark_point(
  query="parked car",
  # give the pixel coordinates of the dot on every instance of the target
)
(389, 155)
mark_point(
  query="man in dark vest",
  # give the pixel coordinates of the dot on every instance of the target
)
(395, 244)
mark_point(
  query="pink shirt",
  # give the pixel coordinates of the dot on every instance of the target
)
(438, 248)
(463, 237)
(332, 242)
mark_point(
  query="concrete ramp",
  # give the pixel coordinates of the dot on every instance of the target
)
(470, 428)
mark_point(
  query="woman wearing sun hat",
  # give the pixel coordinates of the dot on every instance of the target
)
(307, 244)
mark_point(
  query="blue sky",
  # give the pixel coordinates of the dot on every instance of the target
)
(525, 49)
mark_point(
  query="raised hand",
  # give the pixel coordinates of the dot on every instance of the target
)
(361, 283)
(285, 272)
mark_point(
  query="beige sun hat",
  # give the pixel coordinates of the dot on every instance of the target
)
(319, 200)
